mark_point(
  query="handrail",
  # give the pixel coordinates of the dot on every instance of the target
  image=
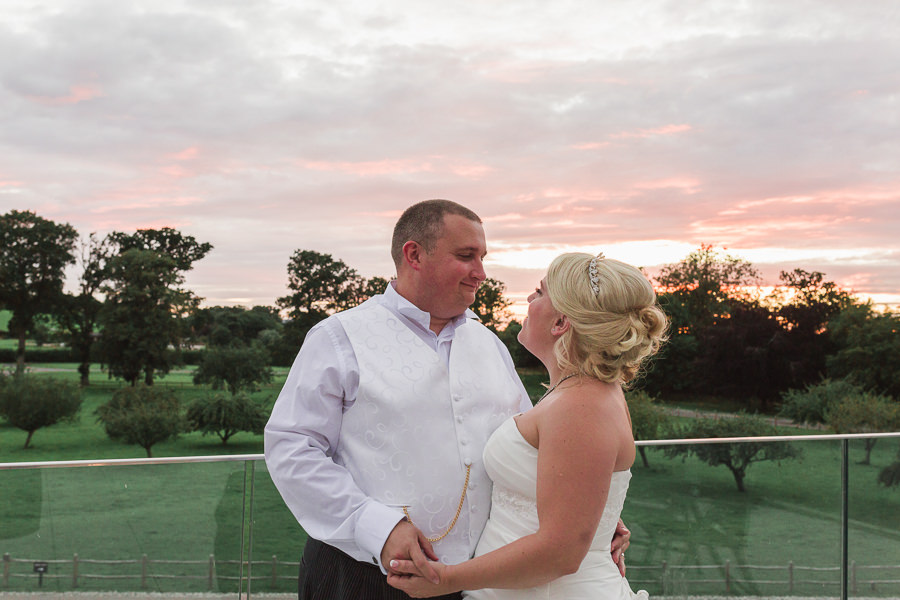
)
(252, 457)
(110, 462)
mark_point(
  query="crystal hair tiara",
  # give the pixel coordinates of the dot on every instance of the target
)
(592, 271)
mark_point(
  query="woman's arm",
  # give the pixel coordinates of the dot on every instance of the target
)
(578, 442)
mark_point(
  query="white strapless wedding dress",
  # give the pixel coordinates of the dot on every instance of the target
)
(511, 462)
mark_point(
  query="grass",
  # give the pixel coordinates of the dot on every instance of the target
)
(683, 513)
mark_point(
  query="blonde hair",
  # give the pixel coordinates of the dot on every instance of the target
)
(615, 321)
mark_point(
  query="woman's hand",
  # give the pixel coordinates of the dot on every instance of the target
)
(620, 542)
(415, 585)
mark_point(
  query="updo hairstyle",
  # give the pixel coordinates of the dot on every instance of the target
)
(613, 330)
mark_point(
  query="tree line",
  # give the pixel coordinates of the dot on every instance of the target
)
(132, 312)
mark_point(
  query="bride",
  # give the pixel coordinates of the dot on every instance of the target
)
(561, 470)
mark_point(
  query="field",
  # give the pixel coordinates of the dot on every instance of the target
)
(680, 512)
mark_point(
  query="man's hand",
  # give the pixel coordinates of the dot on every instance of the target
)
(407, 542)
(620, 542)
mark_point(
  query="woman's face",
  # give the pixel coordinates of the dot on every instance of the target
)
(535, 333)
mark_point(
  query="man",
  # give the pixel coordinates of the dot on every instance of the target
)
(375, 441)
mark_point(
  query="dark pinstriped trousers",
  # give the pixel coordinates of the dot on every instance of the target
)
(326, 573)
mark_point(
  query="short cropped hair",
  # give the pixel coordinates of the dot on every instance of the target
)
(423, 223)
(613, 329)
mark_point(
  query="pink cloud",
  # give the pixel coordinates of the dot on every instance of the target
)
(590, 145)
(646, 133)
(686, 184)
(365, 168)
(77, 93)
(433, 164)
(186, 154)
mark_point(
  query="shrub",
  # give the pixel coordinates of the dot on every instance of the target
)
(811, 405)
(737, 456)
(236, 367)
(648, 419)
(31, 403)
(225, 415)
(142, 415)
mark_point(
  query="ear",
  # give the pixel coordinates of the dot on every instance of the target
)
(412, 254)
(561, 325)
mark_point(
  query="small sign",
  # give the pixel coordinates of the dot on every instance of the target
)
(40, 568)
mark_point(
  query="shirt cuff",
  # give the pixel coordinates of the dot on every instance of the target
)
(373, 528)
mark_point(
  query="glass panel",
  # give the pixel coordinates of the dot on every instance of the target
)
(696, 533)
(874, 523)
(181, 527)
(277, 539)
(157, 528)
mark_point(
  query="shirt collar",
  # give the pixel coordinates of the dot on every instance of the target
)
(418, 316)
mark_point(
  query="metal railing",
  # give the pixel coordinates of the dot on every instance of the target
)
(249, 461)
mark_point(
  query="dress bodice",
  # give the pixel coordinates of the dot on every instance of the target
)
(511, 463)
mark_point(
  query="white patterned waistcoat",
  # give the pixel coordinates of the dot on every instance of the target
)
(415, 426)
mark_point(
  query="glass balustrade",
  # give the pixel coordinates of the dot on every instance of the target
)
(806, 517)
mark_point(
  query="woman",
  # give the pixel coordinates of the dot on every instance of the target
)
(561, 470)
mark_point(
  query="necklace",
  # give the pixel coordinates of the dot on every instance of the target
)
(553, 387)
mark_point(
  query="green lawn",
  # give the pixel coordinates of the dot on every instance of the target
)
(681, 512)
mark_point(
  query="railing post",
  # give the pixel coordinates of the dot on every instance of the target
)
(845, 515)
(274, 570)
(144, 568)
(662, 577)
(791, 576)
(75, 570)
(727, 576)
(212, 572)
(7, 559)
(853, 576)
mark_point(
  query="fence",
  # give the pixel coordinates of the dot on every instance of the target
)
(722, 577)
(726, 576)
(77, 571)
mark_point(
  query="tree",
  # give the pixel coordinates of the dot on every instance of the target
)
(33, 255)
(811, 404)
(80, 312)
(237, 366)
(743, 354)
(648, 420)
(693, 293)
(705, 282)
(522, 358)
(371, 287)
(320, 285)
(142, 314)
(224, 325)
(868, 349)
(864, 413)
(736, 456)
(804, 315)
(491, 305)
(31, 403)
(225, 415)
(144, 280)
(184, 250)
(142, 415)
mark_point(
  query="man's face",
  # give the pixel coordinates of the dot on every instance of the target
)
(453, 271)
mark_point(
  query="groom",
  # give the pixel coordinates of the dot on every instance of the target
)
(375, 441)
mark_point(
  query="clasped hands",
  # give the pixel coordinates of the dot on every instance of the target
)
(412, 564)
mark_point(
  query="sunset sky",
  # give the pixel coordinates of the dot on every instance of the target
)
(640, 129)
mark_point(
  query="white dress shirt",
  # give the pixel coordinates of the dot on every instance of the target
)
(304, 431)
